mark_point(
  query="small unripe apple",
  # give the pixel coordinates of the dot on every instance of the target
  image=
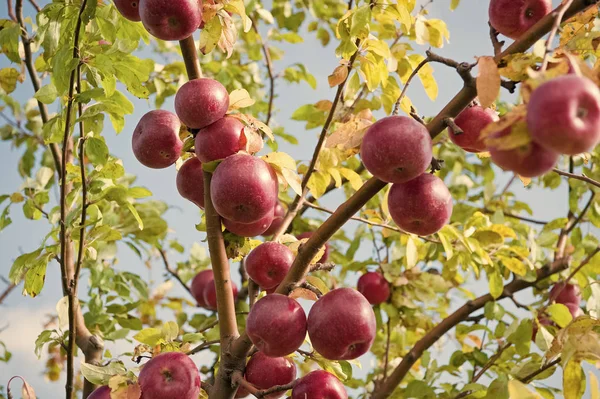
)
(472, 121)
(210, 295)
(129, 9)
(565, 294)
(512, 18)
(155, 140)
(171, 20)
(100, 393)
(308, 234)
(530, 160)
(201, 102)
(221, 139)
(265, 372)
(244, 188)
(563, 115)
(170, 375)
(341, 325)
(249, 229)
(190, 181)
(374, 287)
(396, 149)
(421, 206)
(268, 264)
(319, 384)
(278, 216)
(276, 325)
(199, 284)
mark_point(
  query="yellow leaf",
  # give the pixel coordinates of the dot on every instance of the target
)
(525, 180)
(425, 75)
(412, 254)
(514, 265)
(353, 177)
(292, 178)
(8, 79)
(210, 35)
(518, 390)
(573, 380)
(338, 76)
(488, 81)
(240, 98)
(348, 135)
(594, 387)
(438, 31)
(237, 7)
(280, 159)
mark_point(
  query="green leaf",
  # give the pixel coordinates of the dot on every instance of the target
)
(136, 215)
(100, 375)
(498, 389)
(96, 150)
(559, 314)
(496, 284)
(514, 265)
(42, 339)
(454, 4)
(9, 40)
(521, 338)
(359, 25)
(47, 94)
(573, 380)
(139, 192)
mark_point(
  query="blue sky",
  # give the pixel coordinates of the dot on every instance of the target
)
(469, 38)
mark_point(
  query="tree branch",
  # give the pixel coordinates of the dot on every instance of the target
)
(495, 42)
(202, 346)
(7, 292)
(577, 177)
(558, 15)
(172, 271)
(513, 216)
(269, 65)
(278, 388)
(582, 214)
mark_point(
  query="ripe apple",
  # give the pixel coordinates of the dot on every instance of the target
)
(421, 206)
(244, 188)
(279, 215)
(268, 264)
(210, 295)
(190, 181)
(249, 229)
(530, 160)
(574, 309)
(374, 287)
(308, 234)
(171, 20)
(199, 284)
(472, 121)
(100, 393)
(265, 372)
(170, 375)
(341, 325)
(563, 115)
(221, 139)
(155, 140)
(200, 102)
(396, 149)
(276, 325)
(319, 384)
(565, 294)
(512, 18)
(129, 9)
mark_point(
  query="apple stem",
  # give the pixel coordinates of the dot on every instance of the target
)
(456, 130)
(495, 42)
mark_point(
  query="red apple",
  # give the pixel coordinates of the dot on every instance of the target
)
(210, 295)
(308, 234)
(268, 264)
(278, 217)
(265, 372)
(170, 375)
(171, 20)
(341, 325)
(244, 188)
(221, 139)
(512, 18)
(155, 140)
(530, 160)
(276, 325)
(396, 149)
(563, 115)
(190, 181)
(249, 229)
(129, 9)
(374, 287)
(574, 309)
(199, 284)
(100, 393)
(200, 102)
(319, 384)
(565, 294)
(472, 121)
(421, 206)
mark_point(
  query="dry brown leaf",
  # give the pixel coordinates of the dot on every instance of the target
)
(488, 81)
(323, 105)
(338, 76)
(304, 294)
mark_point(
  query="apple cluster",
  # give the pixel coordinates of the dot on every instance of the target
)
(398, 150)
(204, 290)
(566, 294)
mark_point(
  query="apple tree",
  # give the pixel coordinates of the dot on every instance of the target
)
(310, 319)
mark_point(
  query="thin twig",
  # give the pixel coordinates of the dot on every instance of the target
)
(534, 374)
(491, 362)
(307, 286)
(278, 388)
(172, 271)
(35, 5)
(456, 130)
(269, 65)
(513, 216)
(581, 266)
(202, 346)
(327, 267)
(387, 349)
(414, 73)
(510, 182)
(7, 292)
(582, 214)
(558, 14)
(495, 42)
(11, 11)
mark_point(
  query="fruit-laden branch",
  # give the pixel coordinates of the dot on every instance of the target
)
(33, 75)
(386, 389)
(172, 271)
(577, 177)
(269, 65)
